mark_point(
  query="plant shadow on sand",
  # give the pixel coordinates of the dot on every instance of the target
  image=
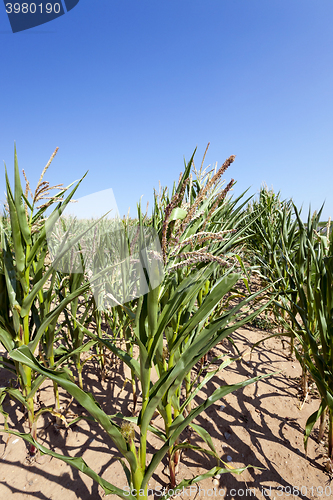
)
(260, 425)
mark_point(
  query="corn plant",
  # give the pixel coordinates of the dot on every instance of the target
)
(170, 329)
(73, 340)
(28, 313)
(312, 275)
(201, 228)
(148, 331)
(274, 242)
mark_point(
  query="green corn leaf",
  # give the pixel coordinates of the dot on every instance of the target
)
(186, 173)
(214, 333)
(16, 231)
(27, 202)
(152, 310)
(189, 446)
(208, 338)
(213, 472)
(6, 339)
(179, 424)
(144, 370)
(10, 274)
(188, 288)
(311, 422)
(126, 470)
(204, 382)
(178, 214)
(207, 307)
(205, 436)
(279, 334)
(24, 355)
(40, 379)
(11, 284)
(21, 215)
(16, 394)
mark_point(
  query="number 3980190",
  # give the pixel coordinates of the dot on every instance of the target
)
(32, 8)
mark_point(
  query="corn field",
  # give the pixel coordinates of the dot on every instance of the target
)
(155, 294)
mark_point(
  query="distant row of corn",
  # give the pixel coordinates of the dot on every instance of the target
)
(296, 257)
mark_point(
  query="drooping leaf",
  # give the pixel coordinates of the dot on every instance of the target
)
(77, 463)
(24, 355)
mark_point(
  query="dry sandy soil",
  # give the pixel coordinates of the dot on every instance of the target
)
(261, 425)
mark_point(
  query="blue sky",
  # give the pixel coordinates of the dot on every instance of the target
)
(126, 89)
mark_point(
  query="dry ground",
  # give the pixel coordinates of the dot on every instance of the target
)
(261, 425)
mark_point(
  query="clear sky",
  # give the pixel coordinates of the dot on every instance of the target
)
(127, 88)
